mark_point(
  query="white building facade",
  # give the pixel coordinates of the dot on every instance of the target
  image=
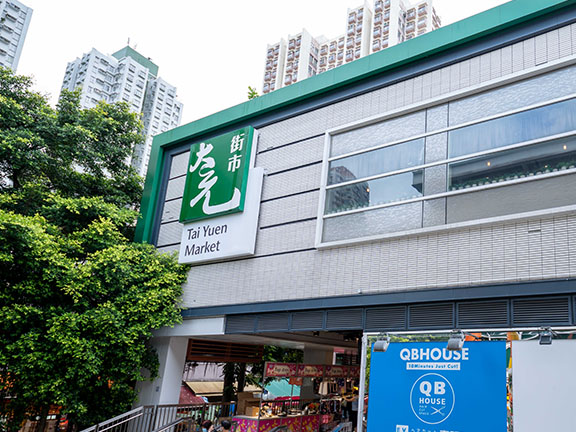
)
(14, 21)
(127, 76)
(429, 188)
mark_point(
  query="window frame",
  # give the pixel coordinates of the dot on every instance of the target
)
(428, 104)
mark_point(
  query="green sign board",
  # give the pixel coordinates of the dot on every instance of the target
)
(217, 176)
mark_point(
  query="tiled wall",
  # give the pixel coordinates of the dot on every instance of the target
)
(286, 265)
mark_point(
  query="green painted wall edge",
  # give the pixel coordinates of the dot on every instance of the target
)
(493, 20)
(131, 52)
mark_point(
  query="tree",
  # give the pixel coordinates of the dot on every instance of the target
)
(74, 151)
(78, 299)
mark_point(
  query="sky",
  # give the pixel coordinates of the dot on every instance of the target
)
(210, 50)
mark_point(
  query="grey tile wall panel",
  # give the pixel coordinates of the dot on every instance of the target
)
(561, 246)
(572, 243)
(507, 62)
(524, 197)
(179, 164)
(169, 234)
(435, 180)
(467, 256)
(498, 253)
(540, 49)
(294, 129)
(548, 249)
(517, 57)
(436, 147)
(465, 73)
(455, 82)
(529, 47)
(553, 45)
(564, 42)
(171, 210)
(175, 188)
(485, 67)
(292, 182)
(289, 209)
(434, 212)
(437, 118)
(418, 84)
(291, 156)
(285, 238)
(495, 64)
(573, 33)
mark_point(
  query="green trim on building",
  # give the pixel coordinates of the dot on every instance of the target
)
(139, 58)
(458, 34)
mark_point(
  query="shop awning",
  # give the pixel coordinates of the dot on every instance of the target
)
(213, 388)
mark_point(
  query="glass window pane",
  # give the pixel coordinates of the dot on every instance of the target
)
(528, 125)
(387, 159)
(373, 222)
(380, 133)
(384, 190)
(513, 164)
(528, 92)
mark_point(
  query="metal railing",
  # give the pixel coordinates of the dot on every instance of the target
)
(160, 418)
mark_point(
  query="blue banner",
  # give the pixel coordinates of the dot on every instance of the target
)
(423, 387)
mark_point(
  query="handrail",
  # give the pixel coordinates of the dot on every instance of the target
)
(162, 417)
(168, 426)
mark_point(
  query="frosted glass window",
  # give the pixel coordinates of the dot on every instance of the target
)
(381, 133)
(373, 222)
(385, 190)
(516, 128)
(387, 159)
(528, 92)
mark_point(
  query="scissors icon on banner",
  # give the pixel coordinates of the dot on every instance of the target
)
(437, 411)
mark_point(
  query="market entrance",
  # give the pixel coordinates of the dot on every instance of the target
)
(309, 383)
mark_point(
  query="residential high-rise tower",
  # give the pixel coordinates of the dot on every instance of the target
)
(127, 76)
(14, 21)
(368, 30)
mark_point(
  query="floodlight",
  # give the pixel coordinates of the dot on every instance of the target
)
(381, 345)
(456, 341)
(545, 337)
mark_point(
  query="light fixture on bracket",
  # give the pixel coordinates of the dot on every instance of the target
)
(381, 345)
(456, 341)
(546, 336)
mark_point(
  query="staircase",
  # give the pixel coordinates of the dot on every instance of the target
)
(165, 418)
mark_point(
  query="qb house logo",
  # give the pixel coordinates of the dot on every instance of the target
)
(424, 387)
(217, 176)
(221, 199)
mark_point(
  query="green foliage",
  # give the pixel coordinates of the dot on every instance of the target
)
(73, 151)
(78, 299)
(252, 93)
(78, 302)
(272, 354)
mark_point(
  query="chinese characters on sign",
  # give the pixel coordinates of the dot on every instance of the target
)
(221, 200)
(217, 176)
